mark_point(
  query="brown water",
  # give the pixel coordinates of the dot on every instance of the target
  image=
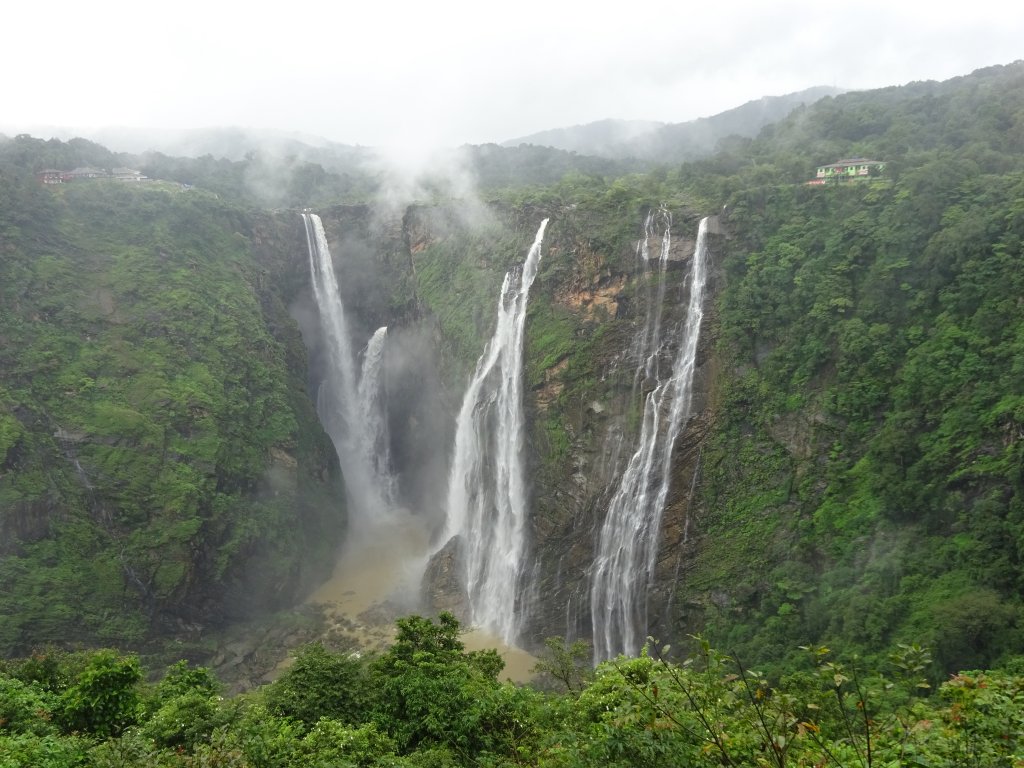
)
(377, 580)
(518, 663)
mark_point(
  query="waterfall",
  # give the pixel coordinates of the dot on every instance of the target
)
(647, 343)
(486, 503)
(628, 541)
(373, 431)
(349, 400)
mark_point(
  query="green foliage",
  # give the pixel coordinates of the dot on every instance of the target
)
(320, 684)
(182, 679)
(47, 751)
(256, 738)
(331, 743)
(459, 278)
(985, 724)
(25, 708)
(184, 709)
(707, 710)
(104, 699)
(563, 666)
(867, 439)
(551, 339)
(861, 483)
(428, 690)
(184, 721)
(432, 694)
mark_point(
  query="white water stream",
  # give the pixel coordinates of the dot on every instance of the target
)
(486, 503)
(350, 398)
(628, 542)
(379, 569)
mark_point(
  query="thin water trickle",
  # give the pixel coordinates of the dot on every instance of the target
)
(628, 539)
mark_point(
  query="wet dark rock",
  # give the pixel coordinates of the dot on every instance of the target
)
(442, 587)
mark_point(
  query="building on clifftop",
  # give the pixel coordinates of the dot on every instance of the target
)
(845, 170)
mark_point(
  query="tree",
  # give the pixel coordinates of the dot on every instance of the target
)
(564, 666)
(104, 699)
(321, 684)
(431, 693)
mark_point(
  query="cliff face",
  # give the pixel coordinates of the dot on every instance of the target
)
(584, 413)
(444, 267)
(373, 253)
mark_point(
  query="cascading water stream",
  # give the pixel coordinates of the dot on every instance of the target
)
(349, 402)
(373, 426)
(486, 503)
(647, 344)
(628, 541)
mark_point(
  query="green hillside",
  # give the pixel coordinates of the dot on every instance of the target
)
(160, 463)
(863, 483)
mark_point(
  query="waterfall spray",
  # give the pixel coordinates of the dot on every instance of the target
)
(628, 541)
(486, 489)
(349, 400)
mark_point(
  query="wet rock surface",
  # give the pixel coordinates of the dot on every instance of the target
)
(442, 588)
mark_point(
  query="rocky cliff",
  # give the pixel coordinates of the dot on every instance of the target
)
(443, 267)
(584, 412)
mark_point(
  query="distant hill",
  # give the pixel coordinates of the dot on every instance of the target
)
(604, 137)
(673, 142)
(229, 142)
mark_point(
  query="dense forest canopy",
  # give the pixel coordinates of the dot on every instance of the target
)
(875, 415)
(426, 701)
(147, 374)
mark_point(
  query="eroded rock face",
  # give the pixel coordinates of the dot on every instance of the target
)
(553, 386)
(442, 587)
(594, 289)
(572, 491)
(24, 523)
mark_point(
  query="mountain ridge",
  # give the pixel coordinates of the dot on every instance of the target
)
(653, 140)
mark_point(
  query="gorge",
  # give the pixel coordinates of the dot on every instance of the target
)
(842, 468)
(484, 541)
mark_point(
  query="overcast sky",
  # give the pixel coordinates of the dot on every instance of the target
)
(381, 72)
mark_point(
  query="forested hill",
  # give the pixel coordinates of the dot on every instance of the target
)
(294, 175)
(673, 142)
(864, 485)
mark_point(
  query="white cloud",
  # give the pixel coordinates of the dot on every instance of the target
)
(391, 72)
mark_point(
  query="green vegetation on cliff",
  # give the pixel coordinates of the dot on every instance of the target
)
(860, 484)
(159, 459)
(865, 481)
